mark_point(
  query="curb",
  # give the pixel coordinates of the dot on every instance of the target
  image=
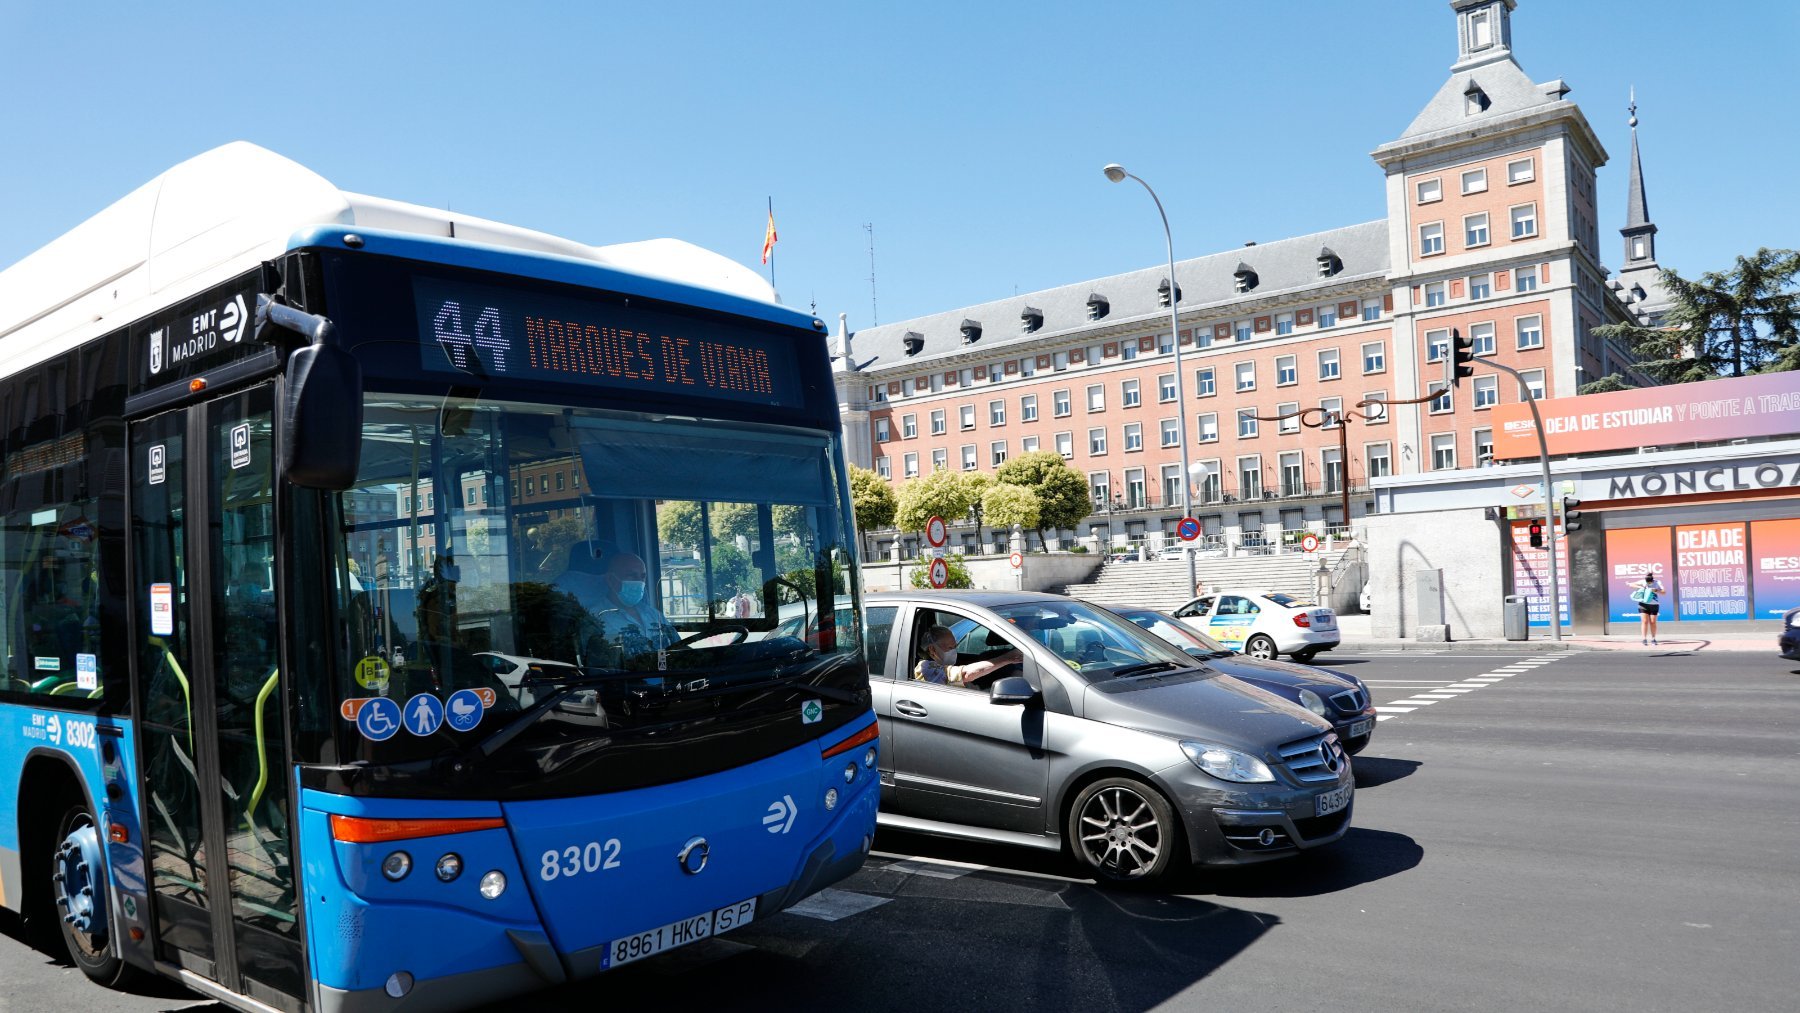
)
(1465, 646)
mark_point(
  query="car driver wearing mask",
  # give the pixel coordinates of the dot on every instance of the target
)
(939, 665)
(627, 617)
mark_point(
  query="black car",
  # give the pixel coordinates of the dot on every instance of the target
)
(1789, 642)
(1338, 697)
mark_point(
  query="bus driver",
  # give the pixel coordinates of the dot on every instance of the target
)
(628, 619)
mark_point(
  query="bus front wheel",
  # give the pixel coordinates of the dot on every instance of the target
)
(78, 888)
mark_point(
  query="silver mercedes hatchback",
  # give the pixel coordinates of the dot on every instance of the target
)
(1039, 720)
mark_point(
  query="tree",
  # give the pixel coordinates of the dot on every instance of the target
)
(945, 494)
(1724, 323)
(958, 573)
(1006, 505)
(1062, 492)
(1606, 385)
(872, 499)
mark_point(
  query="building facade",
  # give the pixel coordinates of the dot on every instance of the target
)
(1492, 231)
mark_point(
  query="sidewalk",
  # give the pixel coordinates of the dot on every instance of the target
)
(1356, 639)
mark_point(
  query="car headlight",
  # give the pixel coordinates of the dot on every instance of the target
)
(1313, 702)
(1227, 764)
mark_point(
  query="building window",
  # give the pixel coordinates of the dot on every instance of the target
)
(1532, 386)
(1203, 337)
(1065, 445)
(1293, 476)
(1520, 171)
(1380, 464)
(1096, 442)
(997, 452)
(1246, 375)
(1431, 239)
(1475, 230)
(1333, 410)
(1209, 428)
(1443, 452)
(1165, 388)
(969, 460)
(1134, 489)
(1059, 403)
(1487, 391)
(1028, 408)
(937, 423)
(1474, 181)
(1377, 412)
(1212, 484)
(1481, 286)
(1525, 279)
(906, 387)
(1134, 436)
(1327, 316)
(1165, 344)
(1242, 331)
(884, 468)
(1434, 294)
(1371, 309)
(1203, 382)
(1246, 423)
(909, 426)
(1328, 364)
(940, 460)
(1284, 323)
(1287, 370)
(1171, 485)
(1028, 444)
(1484, 446)
(1250, 477)
(965, 416)
(1637, 247)
(1481, 338)
(1524, 221)
(1128, 394)
(1099, 488)
(1481, 30)
(1374, 356)
(1431, 190)
(1331, 465)
(1531, 331)
(1171, 432)
(1444, 402)
(881, 431)
(912, 465)
(1128, 350)
(1290, 422)
(1096, 398)
(996, 413)
(1437, 345)
(1027, 366)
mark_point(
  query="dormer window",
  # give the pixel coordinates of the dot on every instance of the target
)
(914, 342)
(1474, 99)
(1329, 264)
(1245, 277)
(971, 331)
(1162, 293)
(1031, 319)
(1098, 306)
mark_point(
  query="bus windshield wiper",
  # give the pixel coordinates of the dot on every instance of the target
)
(565, 687)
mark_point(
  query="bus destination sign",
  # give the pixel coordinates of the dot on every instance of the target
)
(489, 332)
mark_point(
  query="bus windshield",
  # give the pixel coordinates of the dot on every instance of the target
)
(544, 600)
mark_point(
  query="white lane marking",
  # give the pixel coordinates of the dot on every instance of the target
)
(1435, 696)
(1405, 682)
(829, 905)
(1414, 701)
(936, 868)
(1466, 686)
(1389, 709)
(1486, 680)
(1453, 690)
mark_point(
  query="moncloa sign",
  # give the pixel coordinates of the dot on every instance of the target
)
(1766, 475)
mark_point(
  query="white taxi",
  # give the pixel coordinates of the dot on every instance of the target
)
(1263, 624)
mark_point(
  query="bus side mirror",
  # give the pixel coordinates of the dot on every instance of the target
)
(322, 411)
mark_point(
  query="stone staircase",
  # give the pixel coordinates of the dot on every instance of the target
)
(1163, 584)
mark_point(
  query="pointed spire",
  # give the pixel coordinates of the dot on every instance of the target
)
(1637, 212)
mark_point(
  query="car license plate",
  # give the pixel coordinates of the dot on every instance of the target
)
(677, 933)
(1334, 800)
(1324, 621)
(1361, 728)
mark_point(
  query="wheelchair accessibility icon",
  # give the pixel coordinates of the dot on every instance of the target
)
(378, 719)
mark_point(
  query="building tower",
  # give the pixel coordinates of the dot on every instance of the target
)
(1640, 281)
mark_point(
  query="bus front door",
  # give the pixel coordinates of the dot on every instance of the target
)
(217, 781)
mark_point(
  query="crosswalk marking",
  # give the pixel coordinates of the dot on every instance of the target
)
(830, 905)
(1426, 692)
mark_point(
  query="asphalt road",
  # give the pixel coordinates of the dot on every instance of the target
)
(1600, 831)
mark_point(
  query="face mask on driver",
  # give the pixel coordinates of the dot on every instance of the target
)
(946, 656)
(631, 591)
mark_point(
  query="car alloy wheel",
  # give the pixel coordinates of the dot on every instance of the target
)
(1122, 830)
(1261, 648)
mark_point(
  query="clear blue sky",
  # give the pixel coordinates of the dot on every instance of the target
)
(970, 134)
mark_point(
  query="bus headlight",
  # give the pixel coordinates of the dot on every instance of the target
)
(830, 798)
(493, 885)
(449, 866)
(396, 865)
(850, 772)
(869, 757)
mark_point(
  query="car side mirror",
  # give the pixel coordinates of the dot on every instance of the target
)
(1012, 689)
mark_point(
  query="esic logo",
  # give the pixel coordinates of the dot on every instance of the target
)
(1780, 564)
(1520, 426)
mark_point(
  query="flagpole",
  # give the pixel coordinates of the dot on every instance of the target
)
(771, 247)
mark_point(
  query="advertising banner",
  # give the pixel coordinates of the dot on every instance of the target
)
(1776, 545)
(1767, 404)
(1711, 576)
(1531, 574)
(1631, 553)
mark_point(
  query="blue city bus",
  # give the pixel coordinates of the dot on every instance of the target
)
(388, 599)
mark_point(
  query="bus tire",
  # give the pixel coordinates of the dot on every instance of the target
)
(75, 865)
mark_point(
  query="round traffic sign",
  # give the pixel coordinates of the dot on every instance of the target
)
(1188, 529)
(936, 532)
(1309, 542)
(940, 573)
(1018, 560)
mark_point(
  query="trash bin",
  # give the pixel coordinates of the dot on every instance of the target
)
(1518, 624)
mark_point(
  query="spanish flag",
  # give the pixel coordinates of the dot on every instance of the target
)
(769, 236)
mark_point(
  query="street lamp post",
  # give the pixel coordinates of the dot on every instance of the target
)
(1117, 174)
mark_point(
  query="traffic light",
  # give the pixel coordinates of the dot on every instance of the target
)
(1537, 534)
(1571, 517)
(1460, 360)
